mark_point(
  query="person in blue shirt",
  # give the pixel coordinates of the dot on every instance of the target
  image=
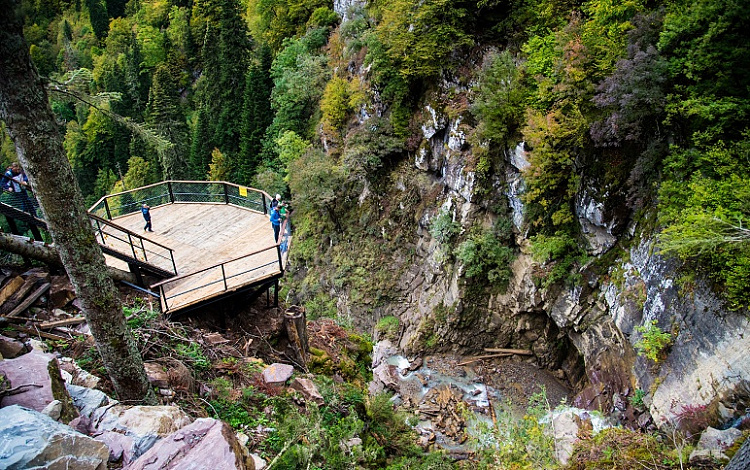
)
(276, 222)
(145, 210)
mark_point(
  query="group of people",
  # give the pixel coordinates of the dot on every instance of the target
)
(278, 215)
(14, 181)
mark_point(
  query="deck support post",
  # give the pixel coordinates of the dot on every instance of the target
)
(295, 323)
(137, 273)
(276, 293)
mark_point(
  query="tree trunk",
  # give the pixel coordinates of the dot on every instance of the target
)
(48, 255)
(741, 459)
(25, 109)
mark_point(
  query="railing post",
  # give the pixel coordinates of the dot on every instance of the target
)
(106, 209)
(224, 277)
(171, 194)
(174, 265)
(132, 246)
(164, 296)
(265, 209)
(101, 233)
(278, 251)
(226, 193)
(143, 247)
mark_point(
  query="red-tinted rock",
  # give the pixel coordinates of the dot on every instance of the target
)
(205, 444)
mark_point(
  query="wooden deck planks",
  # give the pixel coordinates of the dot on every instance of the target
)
(204, 235)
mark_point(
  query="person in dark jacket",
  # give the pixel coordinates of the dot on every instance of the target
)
(16, 182)
(276, 222)
(146, 211)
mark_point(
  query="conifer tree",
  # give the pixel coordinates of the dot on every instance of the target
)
(99, 17)
(256, 115)
(200, 149)
(166, 117)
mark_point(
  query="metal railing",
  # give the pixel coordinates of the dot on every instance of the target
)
(168, 192)
(126, 241)
(229, 275)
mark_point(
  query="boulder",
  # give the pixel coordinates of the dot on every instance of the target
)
(308, 390)
(34, 441)
(713, 443)
(132, 430)
(87, 400)
(61, 291)
(157, 376)
(39, 376)
(277, 374)
(78, 376)
(206, 443)
(10, 348)
(570, 424)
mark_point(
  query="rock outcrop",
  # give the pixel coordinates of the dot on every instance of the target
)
(35, 441)
(206, 443)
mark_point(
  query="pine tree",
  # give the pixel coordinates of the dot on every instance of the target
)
(200, 149)
(166, 117)
(256, 115)
(99, 17)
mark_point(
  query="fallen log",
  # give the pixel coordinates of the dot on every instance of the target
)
(479, 358)
(55, 324)
(17, 298)
(522, 352)
(42, 334)
(48, 254)
(10, 288)
(30, 300)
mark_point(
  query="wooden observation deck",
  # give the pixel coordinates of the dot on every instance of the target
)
(210, 239)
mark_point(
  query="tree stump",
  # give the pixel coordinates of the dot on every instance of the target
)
(295, 323)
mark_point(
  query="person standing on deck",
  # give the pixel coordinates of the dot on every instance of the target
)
(145, 210)
(276, 223)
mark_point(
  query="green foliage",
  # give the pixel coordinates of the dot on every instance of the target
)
(636, 400)
(654, 341)
(291, 147)
(499, 99)
(193, 353)
(561, 256)
(387, 327)
(443, 228)
(139, 316)
(419, 38)
(525, 443)
(488, 254)
(703, 208)
(369, 148)
(340, 98)
(220, 168)
(623, 449)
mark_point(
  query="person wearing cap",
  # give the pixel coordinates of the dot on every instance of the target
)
(276, 222)
(275, 202)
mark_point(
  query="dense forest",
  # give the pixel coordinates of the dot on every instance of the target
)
(646, 101)
(641, 106)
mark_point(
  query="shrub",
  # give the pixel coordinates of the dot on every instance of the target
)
(488, 255)
(388, 327)
(560, 254)
(443, 228)
(654, 341)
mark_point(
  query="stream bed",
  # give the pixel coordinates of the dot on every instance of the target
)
(446, 391)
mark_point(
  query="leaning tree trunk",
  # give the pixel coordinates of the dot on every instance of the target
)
(32, 126)
(48, 254)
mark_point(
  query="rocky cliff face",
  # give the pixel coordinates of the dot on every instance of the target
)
(585, 332)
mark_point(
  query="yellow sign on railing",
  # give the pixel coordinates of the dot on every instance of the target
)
(243, 191)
